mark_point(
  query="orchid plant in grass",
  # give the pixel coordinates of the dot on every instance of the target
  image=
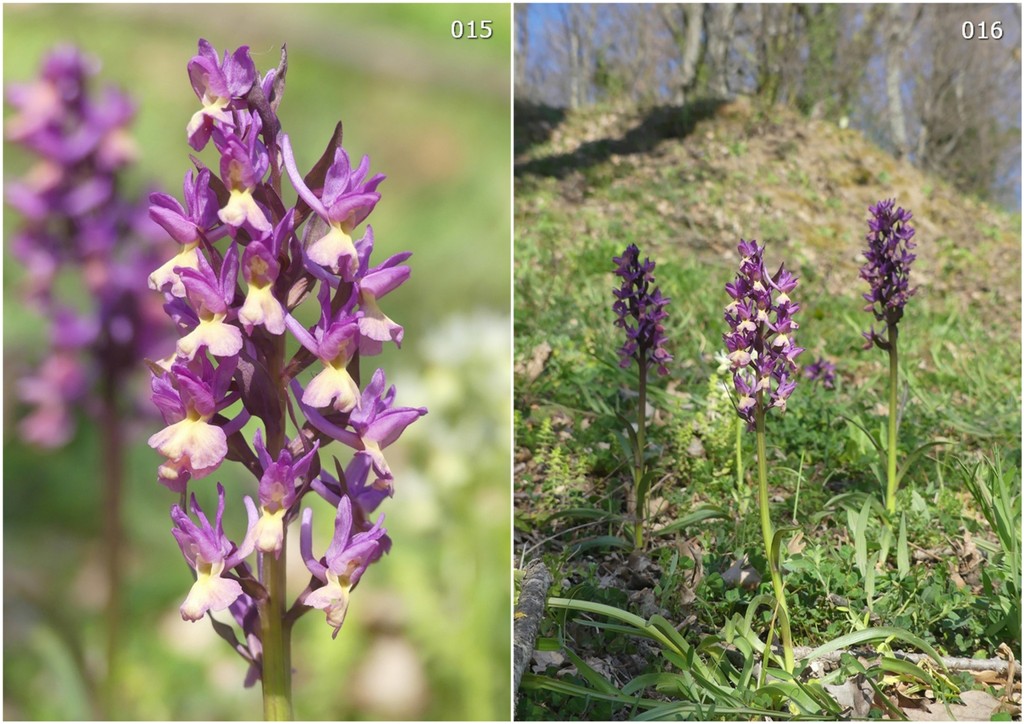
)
(762, 352)
(640, 310)
(247, 262)
(887, 271)
(79, 223)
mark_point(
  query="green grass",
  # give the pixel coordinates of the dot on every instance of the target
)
(960, 362)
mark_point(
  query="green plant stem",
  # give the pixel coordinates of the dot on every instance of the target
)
(277, 672)
(641, 446)
(890, 495)
(766, 530)
(113, 481)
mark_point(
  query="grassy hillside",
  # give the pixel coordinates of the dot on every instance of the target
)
(685, 185)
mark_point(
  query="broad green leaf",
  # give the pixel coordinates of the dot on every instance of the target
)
(877, 633)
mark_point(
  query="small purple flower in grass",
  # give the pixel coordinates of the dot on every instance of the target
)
(887, 270)
(221, 85)
(760, 341)
(347, 558)
(641, 312)
(211, 555)
(823, 371)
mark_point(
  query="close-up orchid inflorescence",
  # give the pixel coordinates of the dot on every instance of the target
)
(236, 385)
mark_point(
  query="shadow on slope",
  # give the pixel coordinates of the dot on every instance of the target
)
(535, 124)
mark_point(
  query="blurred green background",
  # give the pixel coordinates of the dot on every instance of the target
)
(427, 635)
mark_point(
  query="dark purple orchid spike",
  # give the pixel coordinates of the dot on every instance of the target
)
(641, 312)
(760, 338)
(887, 270)
(233, 307)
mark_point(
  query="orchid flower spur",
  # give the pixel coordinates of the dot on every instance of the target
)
(77, 224)
(887, 271)
(762, 355)
(640, 310)
(236, 311)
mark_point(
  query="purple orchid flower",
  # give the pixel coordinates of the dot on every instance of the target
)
(277, 492)
(211, 296)
(188, 398)
(185, 225)
(221, 85)
(346, 560)
(345, 202)
(211, 555)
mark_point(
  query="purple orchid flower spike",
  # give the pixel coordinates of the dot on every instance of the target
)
(760, 341)
(346, 560)
(887, 270)
(211, 555)
(236, 346)
(345, 203)
(188, 398)
(211, 296)
(277, 492)
(221, 85)
(640, 307)
(185, 225)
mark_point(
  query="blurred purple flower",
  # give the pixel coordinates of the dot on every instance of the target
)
(823, 371)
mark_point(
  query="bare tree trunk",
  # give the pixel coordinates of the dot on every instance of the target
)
(693, 13)
(899, 31)
(719, 37)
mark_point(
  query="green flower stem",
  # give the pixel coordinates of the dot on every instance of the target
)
(113, 478)
(277, 672)
(766, 530)
(890, 495)
(641, 445)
